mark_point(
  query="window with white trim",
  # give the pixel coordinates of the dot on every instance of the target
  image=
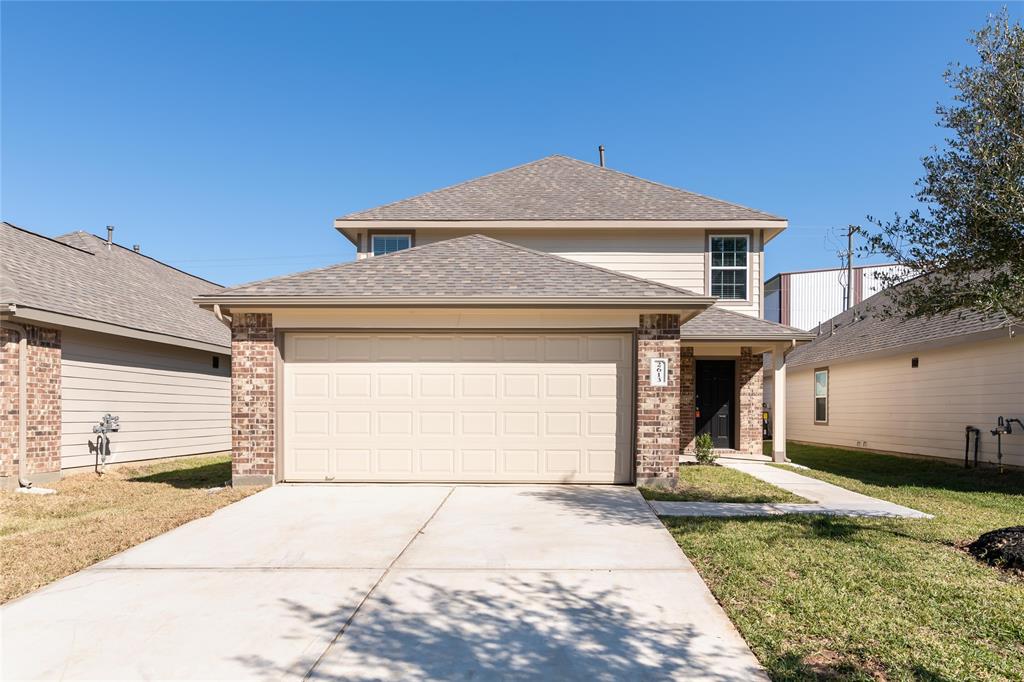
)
(729, 267)
(821, 396)
(384, 244)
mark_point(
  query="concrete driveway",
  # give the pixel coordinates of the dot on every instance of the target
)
(389, 582)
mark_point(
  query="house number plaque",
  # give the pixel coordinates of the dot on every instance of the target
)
(659, 371)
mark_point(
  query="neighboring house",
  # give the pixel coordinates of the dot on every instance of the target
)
(806, 298)
(908, 386)
(555, 322)
(104, 329)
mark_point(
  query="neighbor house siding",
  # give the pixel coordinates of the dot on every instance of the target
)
(171, 401)
(885, 404)
(673, 257)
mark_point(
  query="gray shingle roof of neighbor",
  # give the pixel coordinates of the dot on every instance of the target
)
(76, 275)
(871, 332)
(463, 268)
(560, 188)
(719, 323)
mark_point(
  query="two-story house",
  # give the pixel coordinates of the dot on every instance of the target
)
(555, 322)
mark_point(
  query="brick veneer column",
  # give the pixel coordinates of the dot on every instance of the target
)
(253, 399)
(750, 378)
(43, 408)
(687, 399)
(658, 408)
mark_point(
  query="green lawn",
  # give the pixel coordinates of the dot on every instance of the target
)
(845, 598)
(719, 484)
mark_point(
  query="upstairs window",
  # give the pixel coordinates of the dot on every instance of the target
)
(821, 396)
(384, 244)
(729, 267)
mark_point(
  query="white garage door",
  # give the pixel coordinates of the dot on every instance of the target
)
(458, 407)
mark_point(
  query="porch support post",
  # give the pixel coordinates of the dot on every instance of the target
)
(779, 403)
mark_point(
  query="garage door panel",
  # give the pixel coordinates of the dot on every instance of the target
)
(396, 407)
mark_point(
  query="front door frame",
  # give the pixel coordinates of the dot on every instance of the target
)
(732, 393)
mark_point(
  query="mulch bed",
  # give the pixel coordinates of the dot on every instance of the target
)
(1003, 548)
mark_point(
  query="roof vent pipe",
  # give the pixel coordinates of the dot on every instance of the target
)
(600, 154)
(136, 248)
(110, 236)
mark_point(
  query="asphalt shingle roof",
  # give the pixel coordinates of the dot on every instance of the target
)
(473, 266)
(871, 333)
(76, 275)
(717, 322)
(560, 188)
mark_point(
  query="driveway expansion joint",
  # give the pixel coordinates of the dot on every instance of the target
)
(380, 579)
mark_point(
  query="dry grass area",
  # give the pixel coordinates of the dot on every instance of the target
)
(46, 537)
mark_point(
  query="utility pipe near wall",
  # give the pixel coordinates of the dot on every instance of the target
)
(22, 401)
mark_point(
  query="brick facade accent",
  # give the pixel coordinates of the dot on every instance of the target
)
(658, 408)
(253, 399)
(750, 381)
(43, 408)
(688, 399)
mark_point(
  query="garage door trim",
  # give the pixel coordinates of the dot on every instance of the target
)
(279, 367)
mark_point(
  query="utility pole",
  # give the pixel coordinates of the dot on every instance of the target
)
(850, 231)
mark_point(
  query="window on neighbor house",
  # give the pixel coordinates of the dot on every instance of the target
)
(729, 267)
(384, 244)
(821, 396)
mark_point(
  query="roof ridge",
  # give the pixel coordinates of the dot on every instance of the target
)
(452, 186)
(43, 236)
(590, 266)
(138, 253)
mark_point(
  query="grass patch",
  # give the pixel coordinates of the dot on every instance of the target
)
(849, 598)
(719, 484)
(46, 537)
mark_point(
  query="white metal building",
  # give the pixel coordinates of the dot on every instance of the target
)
(807, 298)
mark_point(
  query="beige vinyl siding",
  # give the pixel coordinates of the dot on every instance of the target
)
(171, 401)
(673, 257)
(885, 404)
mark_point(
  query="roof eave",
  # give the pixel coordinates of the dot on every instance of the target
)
(646, 303)
(346, 224)
(778, 338)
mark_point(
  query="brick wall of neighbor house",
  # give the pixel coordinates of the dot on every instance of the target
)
(658, 408)
(750, 379)
(43, 415)
(688, 399)
(253, 406)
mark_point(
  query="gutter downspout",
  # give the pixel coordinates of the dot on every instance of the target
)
(224, 319)
(22, 401)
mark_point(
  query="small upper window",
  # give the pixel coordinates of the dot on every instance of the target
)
(729, 267)
(384, 244)
(821, 396)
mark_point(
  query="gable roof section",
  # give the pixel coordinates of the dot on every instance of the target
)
(470, 270)
(717, 323)
(76, 275)
(872, 334)
(559, 188)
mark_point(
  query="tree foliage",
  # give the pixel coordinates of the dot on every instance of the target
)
(968, 233)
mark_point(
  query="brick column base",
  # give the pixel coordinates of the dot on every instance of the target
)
(253, 399)
(688, 399)
(658, 407)
(43, 408)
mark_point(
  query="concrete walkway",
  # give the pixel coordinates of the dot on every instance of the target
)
(825, 498)
(403, 582)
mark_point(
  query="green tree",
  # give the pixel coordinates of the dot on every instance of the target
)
(968, 233)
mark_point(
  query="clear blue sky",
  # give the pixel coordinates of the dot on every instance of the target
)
(225, 137)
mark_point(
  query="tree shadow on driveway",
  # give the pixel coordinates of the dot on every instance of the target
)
(538, 625)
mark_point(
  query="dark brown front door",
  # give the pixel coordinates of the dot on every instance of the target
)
(715, 397)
